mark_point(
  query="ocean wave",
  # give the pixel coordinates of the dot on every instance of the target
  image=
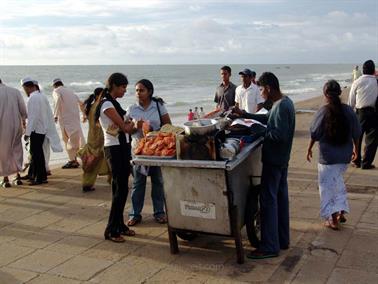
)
(86, 84)
(336, 76)
(189, 103)
(299, 91)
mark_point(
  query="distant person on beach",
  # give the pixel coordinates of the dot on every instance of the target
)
(66, 111)
(201, 113)
(12, 123)
(92, 154)
(190, 115)
(152, 110)
(276, 149)
(39, 126)
(225, 92)
(337, 130)
(356, 73)
(117, 148)
(363, 98)
(196, 114)
(247, 95)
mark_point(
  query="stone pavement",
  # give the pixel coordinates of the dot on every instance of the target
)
(53, 234)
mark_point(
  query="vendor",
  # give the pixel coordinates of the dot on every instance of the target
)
(148, 111)
(225, 92)
(274, 199)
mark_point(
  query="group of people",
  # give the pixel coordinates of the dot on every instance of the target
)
(113, 132)
(197, 114)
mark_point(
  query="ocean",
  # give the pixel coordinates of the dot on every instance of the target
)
(181, 86)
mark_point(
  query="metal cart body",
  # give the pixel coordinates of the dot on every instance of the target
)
(208, 196)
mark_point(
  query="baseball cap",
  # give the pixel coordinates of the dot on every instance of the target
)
(246, 72)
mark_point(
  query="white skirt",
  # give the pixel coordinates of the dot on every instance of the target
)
(333, 195)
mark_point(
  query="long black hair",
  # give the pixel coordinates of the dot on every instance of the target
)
(116, 79)
(150, 88)
(89, 101)
(335, 123)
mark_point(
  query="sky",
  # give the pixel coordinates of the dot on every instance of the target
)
(81, 32)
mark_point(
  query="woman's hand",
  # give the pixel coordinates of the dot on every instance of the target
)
(354, 154)
(309, 155)
(128, 127)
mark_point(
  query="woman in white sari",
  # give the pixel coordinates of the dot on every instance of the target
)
(337, 130)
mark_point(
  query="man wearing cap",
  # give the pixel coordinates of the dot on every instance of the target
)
(12, 120)
(247, 95)
(66, 111)
(36, 129)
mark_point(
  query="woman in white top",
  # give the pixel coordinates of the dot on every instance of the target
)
(117, 152)
(152, 110)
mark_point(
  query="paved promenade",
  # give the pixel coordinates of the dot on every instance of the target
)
(54, 234)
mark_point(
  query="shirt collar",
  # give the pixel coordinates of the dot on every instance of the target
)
(148, 108)
(34, 93)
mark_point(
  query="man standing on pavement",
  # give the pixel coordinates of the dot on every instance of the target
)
(36, 129)
(363, 98)
(276, 149)
(67, 112)
(225, 93)
(247, 95)
(12, 121)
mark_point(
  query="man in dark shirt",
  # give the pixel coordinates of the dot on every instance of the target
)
(274, 197)
(225, 93)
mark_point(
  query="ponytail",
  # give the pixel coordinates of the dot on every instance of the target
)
(335, 121)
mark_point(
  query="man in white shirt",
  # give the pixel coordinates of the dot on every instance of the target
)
(247, 95)
(363, 98)
(36, 129)
(66, 111)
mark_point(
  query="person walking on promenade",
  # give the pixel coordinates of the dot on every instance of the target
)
(274, 197)
(92, 154)
(66, 111)
(117, 150)
(225, 92)
(152, 110)
(12, 122)
(336, 128)
(363, 98)
(247, 95)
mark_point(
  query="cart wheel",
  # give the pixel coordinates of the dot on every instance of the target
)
(252, 217)
(187, 236)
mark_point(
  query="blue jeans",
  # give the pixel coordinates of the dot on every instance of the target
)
(139, 190)
(274, 204)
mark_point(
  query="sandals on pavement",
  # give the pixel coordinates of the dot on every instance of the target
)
(161, 219)
(128, 233)
(134, 221)
(71, 165)
(331, 225)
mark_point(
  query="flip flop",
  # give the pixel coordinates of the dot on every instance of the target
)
(129, 233)
(134, 221)
(331, 225)
(342, 219)
(161, 219)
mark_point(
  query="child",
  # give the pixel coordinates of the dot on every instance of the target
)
(190, 115)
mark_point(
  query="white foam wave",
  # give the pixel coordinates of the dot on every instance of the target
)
(299, 91)
(86, 84)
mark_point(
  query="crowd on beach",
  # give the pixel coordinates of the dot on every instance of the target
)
(114, 132)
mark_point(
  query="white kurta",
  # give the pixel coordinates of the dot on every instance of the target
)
(67, 110)
(248, 98)
(12, 111)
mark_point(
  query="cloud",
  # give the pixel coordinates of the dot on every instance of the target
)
(160, 32)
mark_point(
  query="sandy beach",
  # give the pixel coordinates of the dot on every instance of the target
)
(53, 234)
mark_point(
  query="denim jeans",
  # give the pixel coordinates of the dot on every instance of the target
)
(274, 203)
(139, 190)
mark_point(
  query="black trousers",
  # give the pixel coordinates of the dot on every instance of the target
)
(368, 119)
(37, 163)
(118, 159)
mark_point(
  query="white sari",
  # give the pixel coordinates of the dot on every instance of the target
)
(332, 190)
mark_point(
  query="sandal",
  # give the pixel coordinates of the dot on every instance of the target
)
(329, 224)
(118, 239)
(342, 219)
(133, 221)
(128, 233)
(161, 219)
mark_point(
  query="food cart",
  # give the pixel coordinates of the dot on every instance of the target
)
(209, 197)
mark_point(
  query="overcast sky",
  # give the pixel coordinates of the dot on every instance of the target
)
(187, 32)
